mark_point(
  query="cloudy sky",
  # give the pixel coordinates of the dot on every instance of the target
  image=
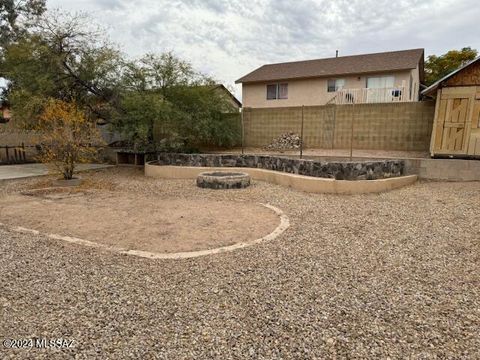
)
(229, 38)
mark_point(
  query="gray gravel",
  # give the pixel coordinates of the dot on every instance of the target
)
(371, 276)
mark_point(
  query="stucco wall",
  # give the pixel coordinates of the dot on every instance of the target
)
(415, 83)
(311, 92)
(393, 126)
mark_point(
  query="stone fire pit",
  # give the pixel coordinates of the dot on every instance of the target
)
(223, 180)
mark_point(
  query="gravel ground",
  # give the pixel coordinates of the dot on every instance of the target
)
(393, 275)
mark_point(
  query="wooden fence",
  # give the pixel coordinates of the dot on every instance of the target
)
(14, 154)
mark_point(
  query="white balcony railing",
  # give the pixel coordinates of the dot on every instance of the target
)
(368, 96)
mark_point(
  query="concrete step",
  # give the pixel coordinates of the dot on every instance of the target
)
(444, 169)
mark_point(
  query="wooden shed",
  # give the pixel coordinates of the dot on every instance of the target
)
(456, 127)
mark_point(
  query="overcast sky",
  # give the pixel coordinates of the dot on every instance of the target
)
(227, 39)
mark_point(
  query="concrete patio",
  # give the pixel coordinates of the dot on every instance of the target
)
(9, 172)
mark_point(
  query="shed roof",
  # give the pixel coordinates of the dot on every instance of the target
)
(432, 88)
(342, 65)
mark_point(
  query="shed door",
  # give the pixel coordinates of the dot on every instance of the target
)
(474, 143)
(453, 120)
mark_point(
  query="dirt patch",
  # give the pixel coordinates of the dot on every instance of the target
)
(54, 193)
(133, 221)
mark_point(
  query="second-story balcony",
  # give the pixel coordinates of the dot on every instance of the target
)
(370, 96)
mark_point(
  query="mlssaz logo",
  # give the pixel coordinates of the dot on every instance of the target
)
(44, 343)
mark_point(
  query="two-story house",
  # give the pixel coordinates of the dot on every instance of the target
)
(393, 76)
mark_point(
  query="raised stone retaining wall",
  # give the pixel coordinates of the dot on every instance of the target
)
(364, 170)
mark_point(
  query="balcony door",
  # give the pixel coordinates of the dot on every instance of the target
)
(379, 88)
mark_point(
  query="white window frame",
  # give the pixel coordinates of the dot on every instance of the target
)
(277, 91)
(339, 84)
(381, 77)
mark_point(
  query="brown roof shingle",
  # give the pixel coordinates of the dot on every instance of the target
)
(342, 65)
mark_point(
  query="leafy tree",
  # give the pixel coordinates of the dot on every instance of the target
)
(437, 67)
(65, 59)
(17, 16)
(207, 115)
(165, 97)
(165, 71)
(142, 112)
(15, 19)
(67, 136)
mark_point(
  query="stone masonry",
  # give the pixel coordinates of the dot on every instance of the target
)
(363, 170)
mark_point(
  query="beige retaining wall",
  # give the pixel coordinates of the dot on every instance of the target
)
(392, 126)
(298, 182)
(444, 169)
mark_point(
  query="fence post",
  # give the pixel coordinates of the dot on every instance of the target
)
(301, 134)
(334, 107)
(6, 153)
(351, 132)
(243, 131)
(23, 153)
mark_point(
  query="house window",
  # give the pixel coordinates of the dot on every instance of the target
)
(380, 82)
(277, 91)
(271, 92)
(335, 85)
(283, 91)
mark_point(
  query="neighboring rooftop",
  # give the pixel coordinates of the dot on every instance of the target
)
(228, 92)
(342, 65)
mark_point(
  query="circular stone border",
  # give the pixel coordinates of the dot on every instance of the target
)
(223, 180)
(284, 225)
